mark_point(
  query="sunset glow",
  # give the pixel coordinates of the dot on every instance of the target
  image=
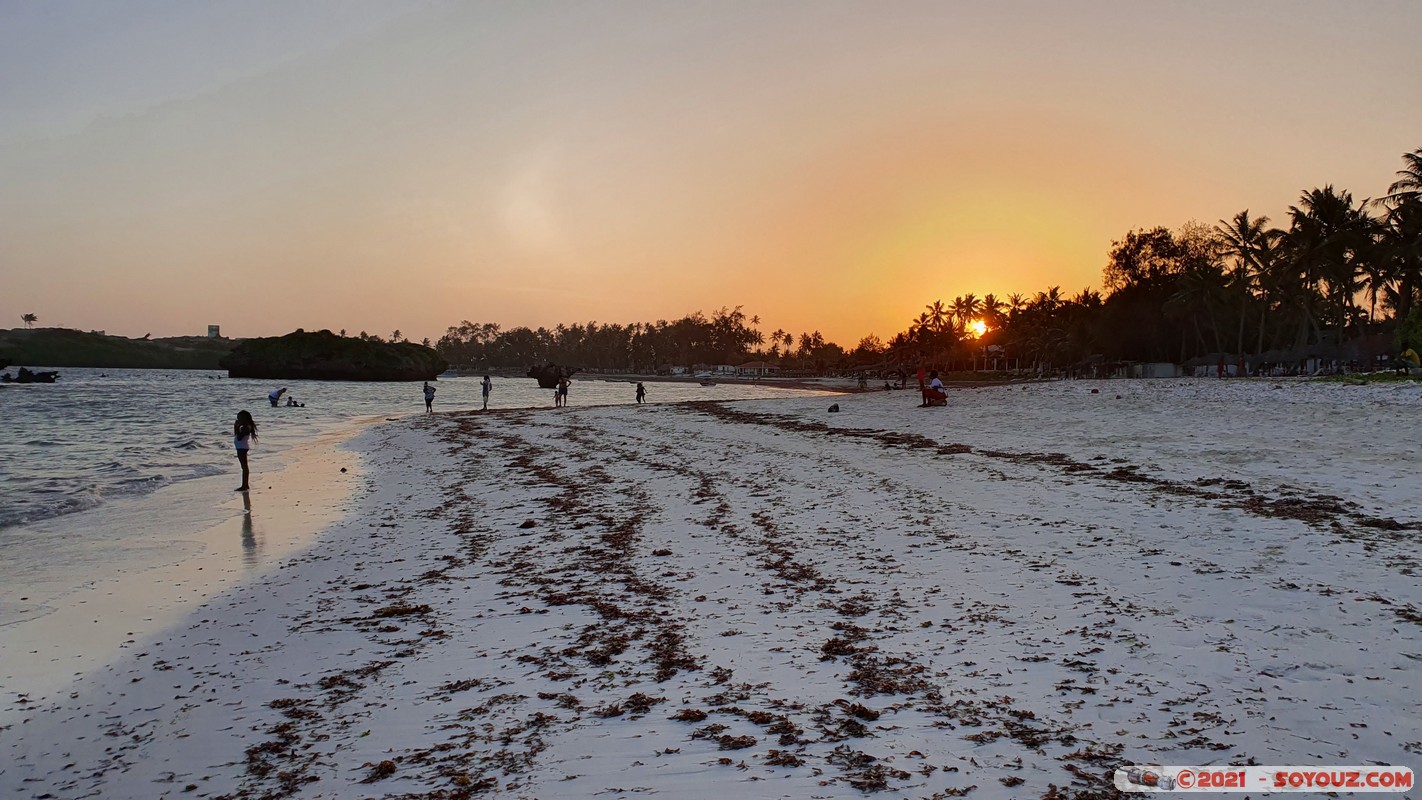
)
(977, 328)
(373, 166)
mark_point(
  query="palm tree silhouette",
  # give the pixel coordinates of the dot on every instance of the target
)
(1245, 239)
(29, 319)
(1408, 185)
(937, 316)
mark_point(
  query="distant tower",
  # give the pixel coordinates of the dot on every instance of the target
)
(214, 331)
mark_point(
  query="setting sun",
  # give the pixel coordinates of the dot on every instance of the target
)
(978, 328)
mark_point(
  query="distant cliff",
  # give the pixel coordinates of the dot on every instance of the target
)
(62, 347)
(325, 356)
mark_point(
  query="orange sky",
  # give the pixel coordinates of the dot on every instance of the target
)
(832, 166)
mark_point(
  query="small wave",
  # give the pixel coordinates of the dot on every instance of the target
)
(189, 444)
(140, 483)
(207, 471)
(13, 516)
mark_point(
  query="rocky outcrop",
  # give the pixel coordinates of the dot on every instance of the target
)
(62, 347)
(549, 374)
(325, 356)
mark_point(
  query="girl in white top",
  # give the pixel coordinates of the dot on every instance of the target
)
(244, 432)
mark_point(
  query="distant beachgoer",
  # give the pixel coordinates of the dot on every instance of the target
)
(488, 386)
(429, 398)
(933, 382)
(275, 396)
(244, 432)
(290, 401)
(641, 393)
(563, 384)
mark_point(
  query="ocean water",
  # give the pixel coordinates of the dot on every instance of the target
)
(97, 435)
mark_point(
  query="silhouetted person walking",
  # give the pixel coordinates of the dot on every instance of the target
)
(429, 398)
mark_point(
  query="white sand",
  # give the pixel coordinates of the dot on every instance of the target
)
(1015, 593)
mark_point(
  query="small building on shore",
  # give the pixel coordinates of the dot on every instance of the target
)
(757, 369)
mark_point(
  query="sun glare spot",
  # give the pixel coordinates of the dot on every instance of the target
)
(978, 327)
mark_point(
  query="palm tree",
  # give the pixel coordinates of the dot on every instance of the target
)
(937, 316)
(1331, 236)
(29, 319)
(993, 310)
(1400, 251)
(1049, 299)
(395, 335)
(777, 336)
(1244, 238)
(922, 325)
(1408, 185)
(965, 309)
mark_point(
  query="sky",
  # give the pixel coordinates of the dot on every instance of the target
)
(268, 165)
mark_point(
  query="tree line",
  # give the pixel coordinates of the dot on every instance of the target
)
(726, 336)
(1335, 269)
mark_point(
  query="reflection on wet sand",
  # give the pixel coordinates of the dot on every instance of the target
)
(250, 546)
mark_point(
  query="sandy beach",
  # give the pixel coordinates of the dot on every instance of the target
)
(1005, 598)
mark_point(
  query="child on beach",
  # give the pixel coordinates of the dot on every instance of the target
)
(488, 386)
(641, 393)
(244, 432)
(429, 398)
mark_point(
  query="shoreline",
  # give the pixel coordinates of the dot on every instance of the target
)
(180, 546)
(1036, 586)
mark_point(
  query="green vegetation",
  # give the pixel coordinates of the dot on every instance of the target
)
(325, 356)
(61, 347)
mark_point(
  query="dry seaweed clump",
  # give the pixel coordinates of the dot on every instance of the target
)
(379, 771)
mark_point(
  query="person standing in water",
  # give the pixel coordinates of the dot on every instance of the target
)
(487, 386)
(641, 393)
(275, 397)
(429, 398)
(244, 432)
(563, 391)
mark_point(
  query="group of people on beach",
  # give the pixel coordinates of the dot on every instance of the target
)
(485, 386)
(244, 429)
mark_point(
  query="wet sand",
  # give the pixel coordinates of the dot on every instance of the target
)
(158, 557)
